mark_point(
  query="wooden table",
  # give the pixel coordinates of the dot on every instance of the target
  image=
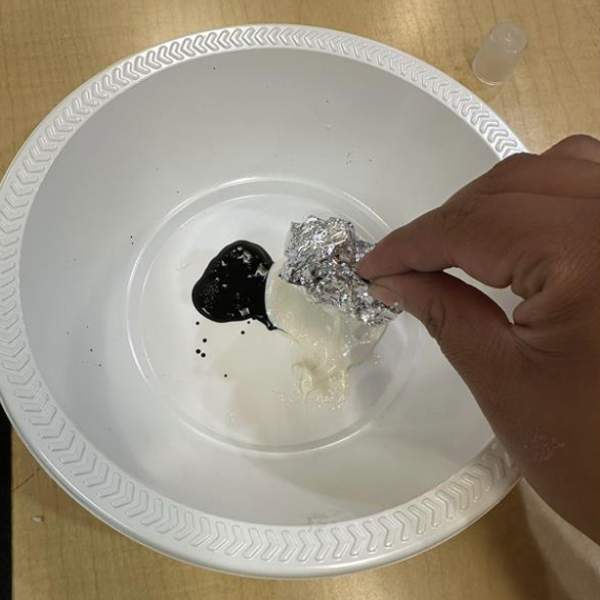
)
(47, 48)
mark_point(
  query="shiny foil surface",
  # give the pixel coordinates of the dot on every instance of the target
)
(321, 256)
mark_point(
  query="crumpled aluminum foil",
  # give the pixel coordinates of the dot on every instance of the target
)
(321, 256)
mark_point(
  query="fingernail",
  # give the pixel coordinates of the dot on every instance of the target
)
(385, 295)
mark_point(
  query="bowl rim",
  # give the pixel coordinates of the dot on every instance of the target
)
(131, 507)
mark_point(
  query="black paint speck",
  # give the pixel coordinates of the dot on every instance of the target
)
(243, 333)
(87, 326)
(225, 375)
(99, 364)
(203, 355)
(197, 322)
(204, 340)
(91, 349)
(197, 350)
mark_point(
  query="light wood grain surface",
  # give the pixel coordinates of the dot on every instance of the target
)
(47, 48)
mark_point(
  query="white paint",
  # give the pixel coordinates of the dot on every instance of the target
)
(327, 342)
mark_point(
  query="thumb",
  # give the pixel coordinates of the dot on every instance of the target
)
(472, 330)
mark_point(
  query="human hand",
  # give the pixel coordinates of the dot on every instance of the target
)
(531, 223)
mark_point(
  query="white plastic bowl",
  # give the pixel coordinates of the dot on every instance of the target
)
(108, 216)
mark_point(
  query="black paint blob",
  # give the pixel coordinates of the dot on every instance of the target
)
(232, 287)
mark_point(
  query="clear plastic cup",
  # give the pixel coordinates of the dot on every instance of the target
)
(500, 53)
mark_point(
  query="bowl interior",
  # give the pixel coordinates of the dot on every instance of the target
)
(228, 147)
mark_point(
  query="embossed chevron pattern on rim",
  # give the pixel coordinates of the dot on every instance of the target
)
(131, 507)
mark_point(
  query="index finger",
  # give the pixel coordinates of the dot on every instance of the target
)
(488, 237)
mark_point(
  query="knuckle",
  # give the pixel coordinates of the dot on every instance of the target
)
(434, 318)
(580, 142)
(455, 213)
(580, 146)
(515, 161)
(574, 269)
(495, 179)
